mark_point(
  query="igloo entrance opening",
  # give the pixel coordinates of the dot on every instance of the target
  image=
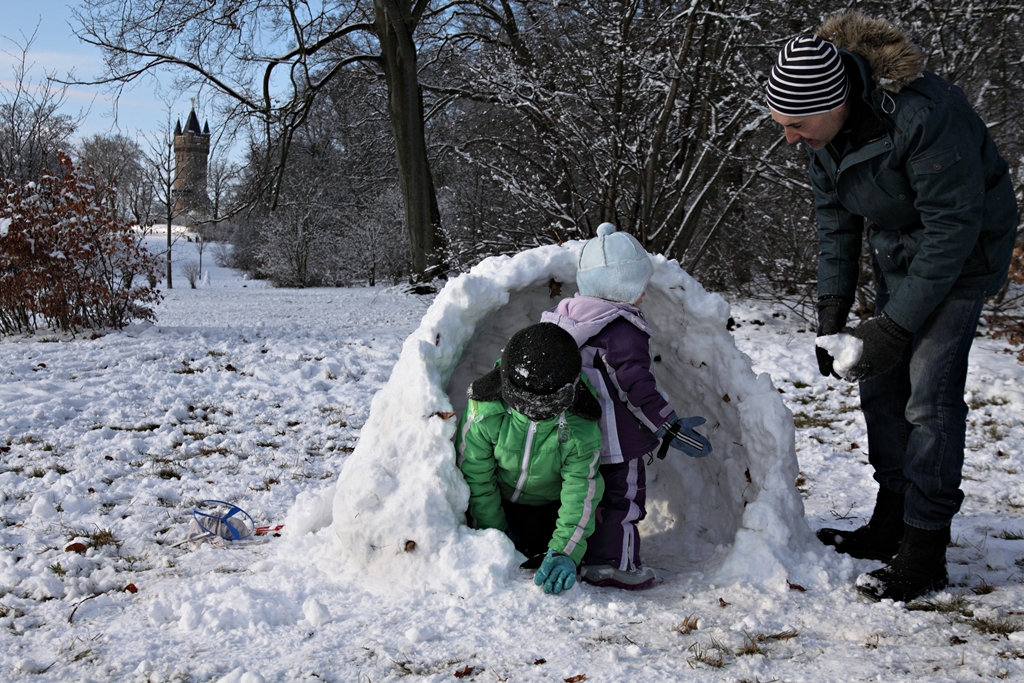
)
(694, 506)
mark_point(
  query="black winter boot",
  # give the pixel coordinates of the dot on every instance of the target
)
(918, 568)
(879, 539)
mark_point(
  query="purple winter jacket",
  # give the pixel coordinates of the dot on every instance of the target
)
(615, 342)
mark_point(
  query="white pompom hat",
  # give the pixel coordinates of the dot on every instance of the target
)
(613, 266)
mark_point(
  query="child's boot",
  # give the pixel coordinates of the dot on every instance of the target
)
(607, 575)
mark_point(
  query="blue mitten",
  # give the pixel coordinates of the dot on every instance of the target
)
(557, 573)
(684, 438)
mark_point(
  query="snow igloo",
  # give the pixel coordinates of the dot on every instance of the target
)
(400, 500)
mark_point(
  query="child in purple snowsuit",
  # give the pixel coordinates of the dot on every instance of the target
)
(615, 343)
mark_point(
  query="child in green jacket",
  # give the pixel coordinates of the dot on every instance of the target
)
(529, 446)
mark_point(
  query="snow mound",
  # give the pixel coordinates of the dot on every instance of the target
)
(400, 501)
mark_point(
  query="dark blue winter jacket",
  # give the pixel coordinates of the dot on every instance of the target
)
(933, 191)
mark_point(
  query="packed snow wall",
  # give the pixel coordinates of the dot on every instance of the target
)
(400, 501)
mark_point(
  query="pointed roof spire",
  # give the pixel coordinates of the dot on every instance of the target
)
(206, 129)
(177, 127)
(192, 125)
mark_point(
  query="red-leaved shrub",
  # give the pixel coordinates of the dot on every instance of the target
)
(67, 262)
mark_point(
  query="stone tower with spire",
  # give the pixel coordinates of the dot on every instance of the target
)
(191, 153)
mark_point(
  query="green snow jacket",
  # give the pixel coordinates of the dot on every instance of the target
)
(505, 455)
(937, 198)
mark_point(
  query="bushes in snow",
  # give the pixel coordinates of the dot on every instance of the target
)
(66, 261)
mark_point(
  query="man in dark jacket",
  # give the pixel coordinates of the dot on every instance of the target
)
(901, 153)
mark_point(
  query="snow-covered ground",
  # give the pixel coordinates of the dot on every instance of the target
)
(256, 396)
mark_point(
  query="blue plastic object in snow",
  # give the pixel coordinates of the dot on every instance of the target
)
(219, 518)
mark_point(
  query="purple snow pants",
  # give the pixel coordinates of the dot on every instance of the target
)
(616, 540)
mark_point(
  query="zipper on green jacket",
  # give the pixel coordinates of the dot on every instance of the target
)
(525, 467)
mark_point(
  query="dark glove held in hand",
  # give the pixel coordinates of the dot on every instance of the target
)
(884, 342)
(832, 313)
(683, 437)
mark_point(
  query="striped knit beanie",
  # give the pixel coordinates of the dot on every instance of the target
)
(808, 78)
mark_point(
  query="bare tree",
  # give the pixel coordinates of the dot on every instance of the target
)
(117, 167)
(299, 238)
(592, 111)
(373, 242)
(33, 131)
(161, 173)
(271, 60)
(339, 212)
(222, 180)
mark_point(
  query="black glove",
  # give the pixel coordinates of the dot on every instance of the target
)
(884, 342)
(832, 312)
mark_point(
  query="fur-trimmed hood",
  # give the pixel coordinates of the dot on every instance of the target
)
(895, 59)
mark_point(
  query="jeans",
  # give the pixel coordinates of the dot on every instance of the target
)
(917, 418)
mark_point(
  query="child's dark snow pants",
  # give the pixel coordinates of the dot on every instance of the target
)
(616, 540)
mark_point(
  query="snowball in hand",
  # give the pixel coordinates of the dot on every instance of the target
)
(845, 350)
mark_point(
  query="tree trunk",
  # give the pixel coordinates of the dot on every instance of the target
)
(394, 24)
(169, 286)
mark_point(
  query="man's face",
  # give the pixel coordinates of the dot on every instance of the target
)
(815, 131)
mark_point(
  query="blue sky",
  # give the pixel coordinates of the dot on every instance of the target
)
(140, 111)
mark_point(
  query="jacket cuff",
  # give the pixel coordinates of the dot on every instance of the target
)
(894, 329)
